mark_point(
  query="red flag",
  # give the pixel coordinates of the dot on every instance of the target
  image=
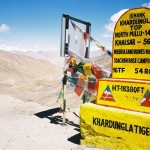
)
(86, 36)
(91, 87)
(103, 48)
(78, 90)
(81, 83)
(70, 69)
(97, 72)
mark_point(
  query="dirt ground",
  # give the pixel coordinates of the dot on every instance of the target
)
(30, 126)
(29, 114)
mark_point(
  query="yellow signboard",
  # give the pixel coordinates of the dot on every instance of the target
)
(115, 129)
(126, 94)
(131, 45)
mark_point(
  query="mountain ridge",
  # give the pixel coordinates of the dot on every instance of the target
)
(29, 79)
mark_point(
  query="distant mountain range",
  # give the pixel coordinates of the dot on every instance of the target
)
(51, 56)
(20, 71)
(30, 79)
(36, 76)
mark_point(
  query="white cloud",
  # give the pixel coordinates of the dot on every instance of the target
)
(22, 48)
(107, 35)
(113, 19)
(146, 5)
(109, 28)
(4, 28)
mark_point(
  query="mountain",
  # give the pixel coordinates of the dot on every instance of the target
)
(32, 79)
(52, 56)
(23, 67)
(28, 78)
(103, 60)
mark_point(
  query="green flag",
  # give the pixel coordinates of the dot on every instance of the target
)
(72, 80)
(79, 68)
(86, 96)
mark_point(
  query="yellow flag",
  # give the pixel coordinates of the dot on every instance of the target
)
(82, 77)
(73, 61)
(87, 69)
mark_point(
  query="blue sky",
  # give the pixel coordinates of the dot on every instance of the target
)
(36, 24)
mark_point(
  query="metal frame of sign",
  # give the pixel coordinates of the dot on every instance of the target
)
(64, 40)
(64, 50)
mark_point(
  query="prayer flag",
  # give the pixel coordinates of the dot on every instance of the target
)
(61, 93)
(72, 80)
(81, 83)
(82, 77)
(91, 79)
(79, 68)
(72, 61)
(96, 72)
(93, 98)
(109, 53)
(103, 48)
(61, 98)
(75, 75)
(70, 69)
(77, 61)
(91, 84)
(76, 27)
(87, 69)
(78, 90)
(73, 24)
(86, 36)
(91, 39)
(97, 43)
(86, 96)
(91, 87)
(70, 86)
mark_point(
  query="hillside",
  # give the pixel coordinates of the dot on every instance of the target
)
(37, 80)
(27, 78)
(23, 67)
(52, 56)
(31, 79)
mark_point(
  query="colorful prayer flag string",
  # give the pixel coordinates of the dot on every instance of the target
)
(87, 36)
(76, 28)
(84, 81)
(87, 69)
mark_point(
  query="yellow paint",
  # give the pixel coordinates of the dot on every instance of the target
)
(127, 94)
(95, 134)
(131, 45)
